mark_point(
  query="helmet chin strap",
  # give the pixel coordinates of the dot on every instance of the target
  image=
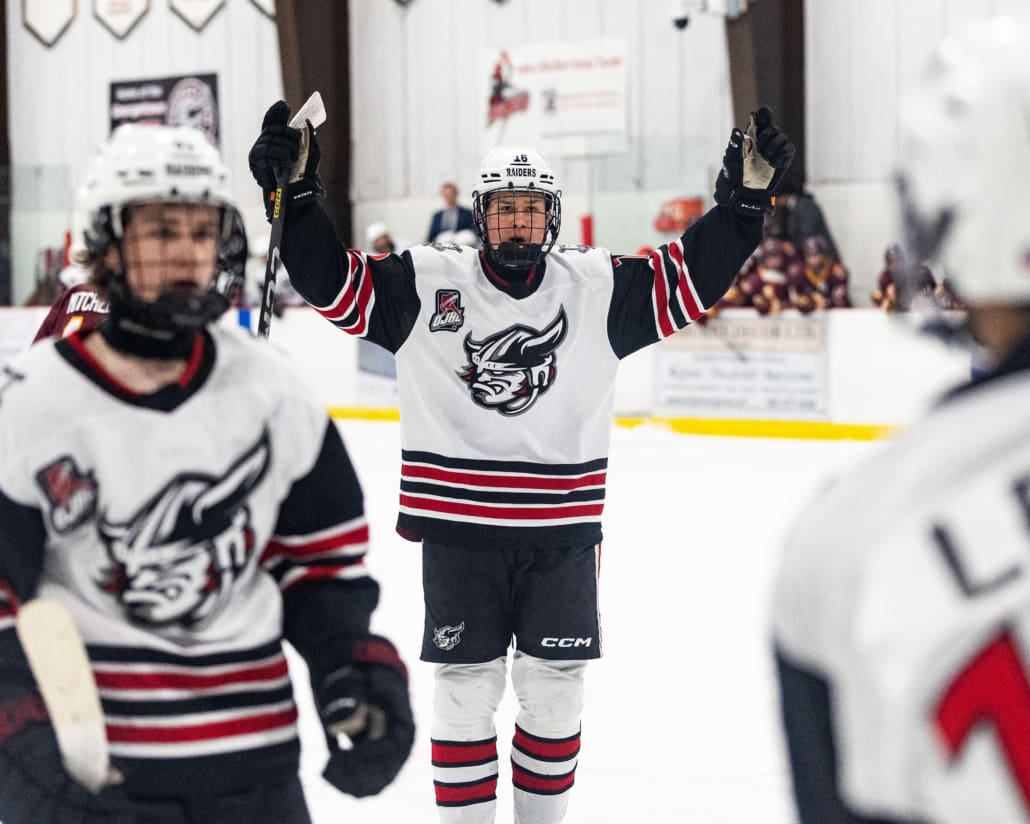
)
(162, 329)
(517, 257)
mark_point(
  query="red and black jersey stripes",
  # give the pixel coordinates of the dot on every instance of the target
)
(337, 552)
(543, 766)
(676, 302)
(352, 305)
(8, 605)
(464, 772)
(549, 499)
(160, 705)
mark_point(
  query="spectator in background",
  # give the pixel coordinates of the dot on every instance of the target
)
(823, 281)
(379, 241)
(451, 220)
(802, 218)
(922, 291)
(764, 279)
(885, 295)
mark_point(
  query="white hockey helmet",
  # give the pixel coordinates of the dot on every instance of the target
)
(151, 164)
(161, 164)
(516, 169)
(965, 163)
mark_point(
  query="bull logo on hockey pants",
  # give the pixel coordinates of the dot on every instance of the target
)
(510, 369)
(175, 561)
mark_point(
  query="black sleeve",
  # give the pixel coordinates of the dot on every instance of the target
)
(22, 543)
(657, 295)
(317, 554)
(372, 296)
(805, 704)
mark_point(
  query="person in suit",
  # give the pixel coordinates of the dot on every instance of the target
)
(451, 219)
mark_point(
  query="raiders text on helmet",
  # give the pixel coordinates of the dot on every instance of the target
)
(516, 170)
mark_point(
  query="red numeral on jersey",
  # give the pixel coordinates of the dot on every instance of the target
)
(994, 689)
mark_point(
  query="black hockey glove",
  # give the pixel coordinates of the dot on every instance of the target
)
(753, 165)
(367, 700)
(280, 146)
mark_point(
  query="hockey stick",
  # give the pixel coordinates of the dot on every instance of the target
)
(59, 663)
(313, 110)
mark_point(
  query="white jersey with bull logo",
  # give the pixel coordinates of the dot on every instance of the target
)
(529, 382)
(177, 527)
(906, 595)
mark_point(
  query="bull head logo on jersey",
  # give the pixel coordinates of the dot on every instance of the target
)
(509, 370)
(175, 561)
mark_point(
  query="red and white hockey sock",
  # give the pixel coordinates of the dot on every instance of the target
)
(543, 771)
(465, 778)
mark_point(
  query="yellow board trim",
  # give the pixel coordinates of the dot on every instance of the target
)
(726, 427)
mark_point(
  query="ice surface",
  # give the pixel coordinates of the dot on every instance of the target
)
(680, 724)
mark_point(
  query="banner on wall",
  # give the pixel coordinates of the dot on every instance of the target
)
(196, 13)
(570, 97)
(120, 16)
(47, 20)
(746, 366)
(172, 101)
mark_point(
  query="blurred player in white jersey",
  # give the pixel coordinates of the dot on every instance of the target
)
(186, 497)
(902, 609)
(506, 362)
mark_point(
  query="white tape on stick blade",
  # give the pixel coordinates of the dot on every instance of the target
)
(313, 110)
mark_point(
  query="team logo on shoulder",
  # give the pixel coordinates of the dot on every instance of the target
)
(71, 493)
(176, 560)
(510, 369)
(449, 315)
(447, 638)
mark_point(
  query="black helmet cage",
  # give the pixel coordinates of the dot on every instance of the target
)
(517, 255)
(172, 311)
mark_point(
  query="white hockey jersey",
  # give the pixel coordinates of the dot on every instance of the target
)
(177, 527)
(905, 597)
(506, 390)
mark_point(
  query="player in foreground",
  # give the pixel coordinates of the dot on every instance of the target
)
(506, 363)
(902, 610)
(175, 486)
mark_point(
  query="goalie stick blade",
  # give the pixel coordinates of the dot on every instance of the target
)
(313, 110)
(64, 676)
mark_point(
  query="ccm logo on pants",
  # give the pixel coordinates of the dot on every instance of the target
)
(566, 642)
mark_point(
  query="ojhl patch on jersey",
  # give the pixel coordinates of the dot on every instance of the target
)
(508, 370)
(71, 493)
(449, 315)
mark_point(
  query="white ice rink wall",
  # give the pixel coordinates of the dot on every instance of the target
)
(416, 87)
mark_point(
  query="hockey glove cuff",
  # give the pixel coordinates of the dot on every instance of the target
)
(366, 699)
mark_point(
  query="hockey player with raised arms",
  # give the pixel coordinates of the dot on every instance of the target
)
(174, 485)
(506, 362)
(902, 608)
